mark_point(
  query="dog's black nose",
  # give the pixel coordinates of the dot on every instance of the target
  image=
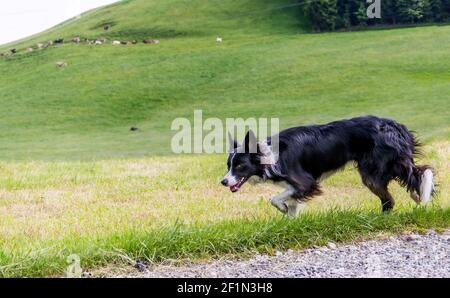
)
(224, 182)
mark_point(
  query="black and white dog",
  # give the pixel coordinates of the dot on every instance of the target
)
(382, 149)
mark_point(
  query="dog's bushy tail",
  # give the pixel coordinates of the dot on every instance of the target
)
(419, 182)
(418, 179)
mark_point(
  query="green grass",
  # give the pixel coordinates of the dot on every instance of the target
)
(265, 67)
(74, 179)
(239, 237)
(153, 209)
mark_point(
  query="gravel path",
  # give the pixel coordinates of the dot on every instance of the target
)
(400, 256)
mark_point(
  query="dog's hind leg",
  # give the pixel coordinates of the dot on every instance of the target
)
(387, 201)
(380, 189)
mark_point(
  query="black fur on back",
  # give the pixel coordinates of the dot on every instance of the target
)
(382, 149)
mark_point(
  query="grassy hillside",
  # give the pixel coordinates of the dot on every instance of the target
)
(263, 68)
(74, 179)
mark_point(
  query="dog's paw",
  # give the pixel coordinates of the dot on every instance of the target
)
(294, 207)
(282, 207)
(415, 196)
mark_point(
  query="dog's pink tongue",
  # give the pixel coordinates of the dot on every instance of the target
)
(234, 188)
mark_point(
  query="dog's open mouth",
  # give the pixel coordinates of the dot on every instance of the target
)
(238, 185)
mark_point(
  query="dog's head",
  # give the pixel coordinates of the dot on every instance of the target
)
(246, 160)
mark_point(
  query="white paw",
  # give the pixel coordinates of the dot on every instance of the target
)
(279, 205)
(294, 207)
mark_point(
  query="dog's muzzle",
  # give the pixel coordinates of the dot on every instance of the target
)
(234, 184)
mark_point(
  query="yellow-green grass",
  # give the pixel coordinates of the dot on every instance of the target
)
(173, 207)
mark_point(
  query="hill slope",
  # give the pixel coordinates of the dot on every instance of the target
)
(265, 67)
(157, 208)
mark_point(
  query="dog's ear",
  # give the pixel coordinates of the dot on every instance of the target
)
(232, 143)
(250, 142)
(267, 156)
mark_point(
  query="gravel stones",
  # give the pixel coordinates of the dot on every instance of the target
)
(411, 255)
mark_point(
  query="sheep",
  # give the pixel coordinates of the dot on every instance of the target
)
(151, 41)
(76, 39)
(29, 50)
(40, 45)
(13, 51)
(59, 41)
(219, 39)
(116, 42)
(98, 42)
(61, 64)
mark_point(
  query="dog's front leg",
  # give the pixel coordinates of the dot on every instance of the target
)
(294, 207)
(279, 201)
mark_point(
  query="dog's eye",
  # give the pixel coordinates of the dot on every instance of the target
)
(238, 167)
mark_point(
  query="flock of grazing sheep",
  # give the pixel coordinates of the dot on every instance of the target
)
(77, 40)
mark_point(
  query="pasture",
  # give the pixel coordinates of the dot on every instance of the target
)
(172, 208)
(75, 180)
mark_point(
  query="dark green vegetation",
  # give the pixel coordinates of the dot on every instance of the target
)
(338, 14)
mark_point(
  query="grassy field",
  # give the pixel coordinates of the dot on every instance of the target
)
(153, 209)
(74, 179)
(85, 110)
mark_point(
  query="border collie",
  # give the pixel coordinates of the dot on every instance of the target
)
(382, 150)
